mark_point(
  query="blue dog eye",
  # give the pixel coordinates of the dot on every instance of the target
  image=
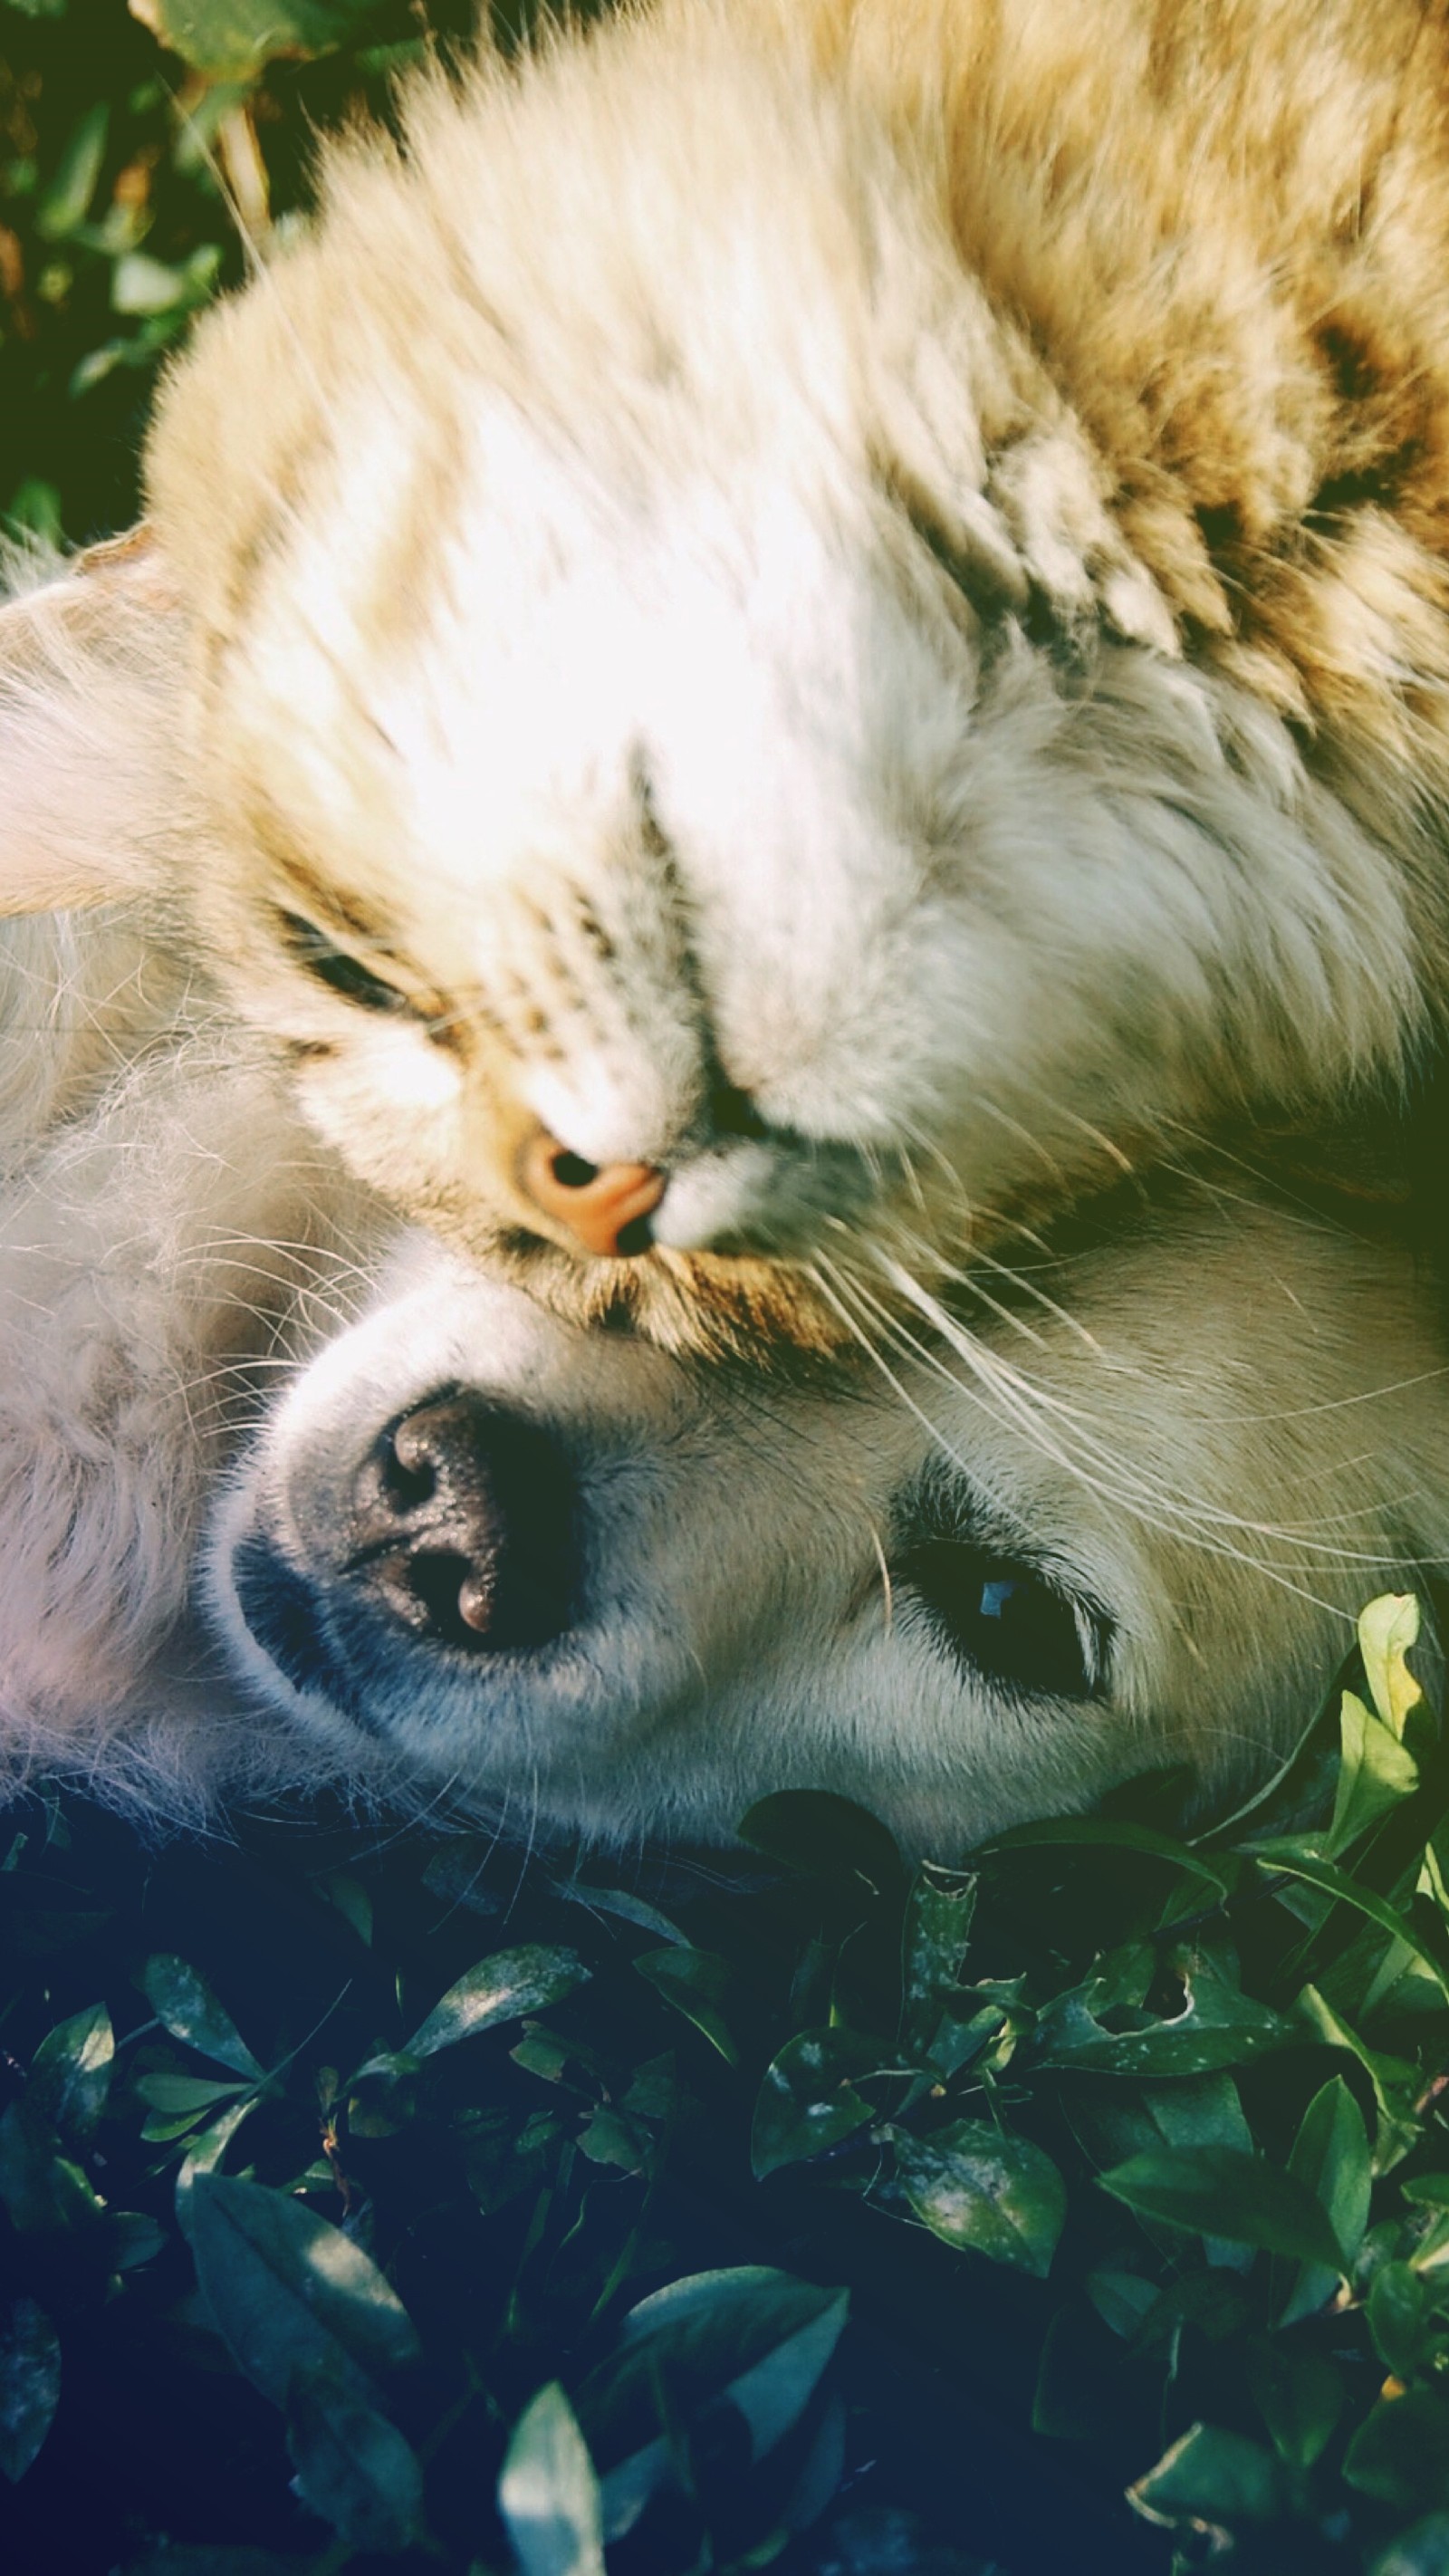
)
(996, 1594)
(1003, 1619)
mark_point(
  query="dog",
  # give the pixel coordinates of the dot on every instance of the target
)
(799, 627)
(292, 1496)
(614, 1594)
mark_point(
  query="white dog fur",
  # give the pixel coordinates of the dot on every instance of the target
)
(1166, 1485)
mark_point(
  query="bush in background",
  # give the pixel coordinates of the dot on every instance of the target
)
(138, 147)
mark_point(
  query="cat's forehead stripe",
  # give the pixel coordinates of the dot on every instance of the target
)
(314, 895)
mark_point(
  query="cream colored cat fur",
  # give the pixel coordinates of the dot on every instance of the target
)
(285, 1499)
(842, 603)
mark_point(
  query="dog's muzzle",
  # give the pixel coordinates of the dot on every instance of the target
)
(455, 1533)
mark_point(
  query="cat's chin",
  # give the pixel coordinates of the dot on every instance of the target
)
(713, 1304)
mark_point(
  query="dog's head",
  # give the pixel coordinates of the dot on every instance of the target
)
(565, 1577)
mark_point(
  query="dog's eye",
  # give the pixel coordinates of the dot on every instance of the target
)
(340, 972)
(1004, 1619)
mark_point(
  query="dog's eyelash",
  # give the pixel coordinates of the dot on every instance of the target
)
(341, 972)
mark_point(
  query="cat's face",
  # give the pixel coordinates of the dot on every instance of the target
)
(693, 755)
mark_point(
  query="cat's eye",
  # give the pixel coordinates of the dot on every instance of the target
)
(342, 973)
(1002, 1618)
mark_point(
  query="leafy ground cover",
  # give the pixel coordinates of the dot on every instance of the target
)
(374, 2200)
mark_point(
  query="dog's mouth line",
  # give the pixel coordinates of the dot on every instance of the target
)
(286, 1611)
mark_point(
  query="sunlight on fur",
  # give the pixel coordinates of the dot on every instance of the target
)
(836, 601)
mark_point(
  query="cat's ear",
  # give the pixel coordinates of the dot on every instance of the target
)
(93, 664)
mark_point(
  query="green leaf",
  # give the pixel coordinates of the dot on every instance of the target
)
(548, 2493)
(501, 2160)
(236, 39)
(457, 1874)
(133, 2237)
(29, 2383)
(184, 2097)
(937, 1929)
(824, 1836)
(34, 509)
(344, 1890)
(629, 1908)
(1100, 1833)
(67, 201)
(1221, 2191)
(1218, 2026)
(1121, 2299)
(503, 1988)
(1400, 2454)
(353, 2466)
(288, 2291)
(1395, 2081)
(1212, 2301)
(185, 2005)
(1216, 2478)
(140, 284)
(754, 2339)
(1424, 2551)
(807, 2102)
(1299, 2395)
(70, 2073)
(45, 2193)
(609, 2139)
(1386, 1631)
(1079, 2389)
(1399, 2307)
(1331, 2156)
(1114, 2121)
(976, 2187)
(1291, 1861)
(1375, 1771)
(694, 1981)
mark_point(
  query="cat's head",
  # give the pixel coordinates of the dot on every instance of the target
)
(677, 745)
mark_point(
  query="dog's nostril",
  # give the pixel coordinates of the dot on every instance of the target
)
(407, 1475)
(457, 1596)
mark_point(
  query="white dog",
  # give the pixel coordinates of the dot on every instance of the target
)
(601, 1589)
(470, 1549)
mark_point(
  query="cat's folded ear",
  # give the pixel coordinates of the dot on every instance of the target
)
(93, 781)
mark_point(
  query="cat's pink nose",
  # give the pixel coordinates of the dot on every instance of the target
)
(604, 1208)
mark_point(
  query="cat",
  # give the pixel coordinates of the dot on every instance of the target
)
(801, 628)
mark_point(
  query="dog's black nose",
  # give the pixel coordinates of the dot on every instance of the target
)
(462, 1526)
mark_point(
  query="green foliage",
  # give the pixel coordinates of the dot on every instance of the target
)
(142, 150)
(1139, 2138)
